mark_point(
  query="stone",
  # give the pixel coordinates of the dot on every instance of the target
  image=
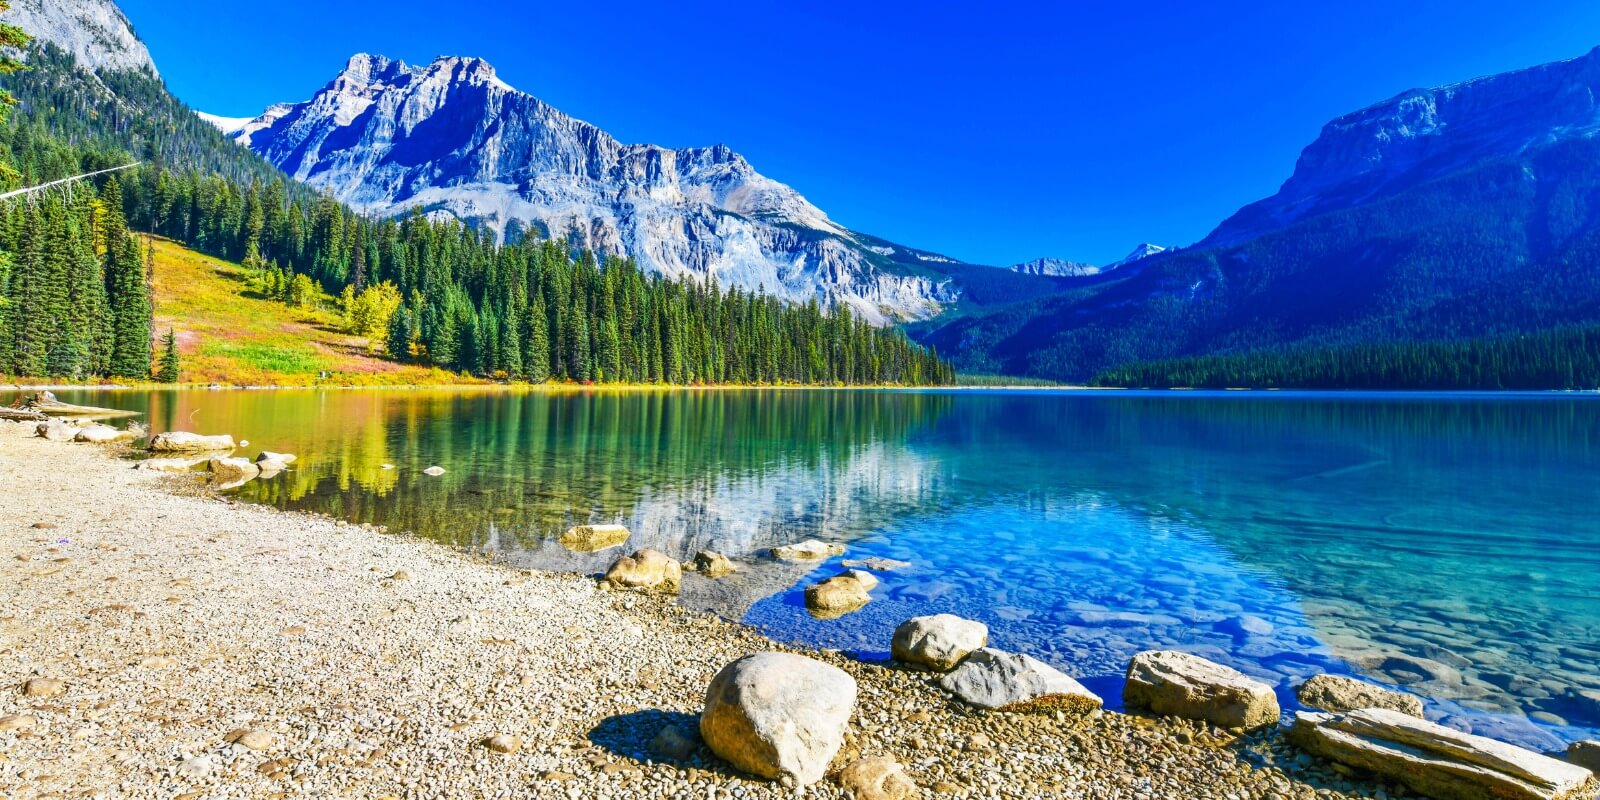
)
(1338, 693)
(808, 550)
(1000, 681)
(1176, 684)
(43, 687)
(281, 458)
(400, 575)
(876, 564)
(434, 471)
(879, 778)
(503, 743)
(99, 434)
(778, 714)
(1585, 754)
(713, 565)
(649, 570)
(198, 768)
(836, 597)
(17, 722)
(938, 642)
(56, 431)
(865, 578)
(233, 470)
(594, 538)
(186, 442)
(250, 738)
(675, 743)
(170, 464)
(1434, 760)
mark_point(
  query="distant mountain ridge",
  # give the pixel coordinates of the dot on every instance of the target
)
(95, 32)
(1460, 212)
(450, 137)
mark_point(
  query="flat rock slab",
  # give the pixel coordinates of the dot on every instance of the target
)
(1436, 761)
(186, 442)
(594, 538)
(1175, 684)
(1338, 693)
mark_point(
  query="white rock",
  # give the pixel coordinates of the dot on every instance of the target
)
(1434, 760)
(281, 458)
(777, 714)
(99, 434)
(1176, 684)
(56, 430)
(1001, 681)
(938, 642)
(434, 471)
(865, 578)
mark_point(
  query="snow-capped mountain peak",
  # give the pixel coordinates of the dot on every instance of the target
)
(1139, 253)
(1056, 268)
(450, 137)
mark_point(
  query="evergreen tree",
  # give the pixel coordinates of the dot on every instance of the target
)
(536, 362)
(170, 369)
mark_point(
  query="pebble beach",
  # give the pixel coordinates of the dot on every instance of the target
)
(163, 641)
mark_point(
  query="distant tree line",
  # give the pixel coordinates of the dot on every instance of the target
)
(1565, 358)
(430, 291)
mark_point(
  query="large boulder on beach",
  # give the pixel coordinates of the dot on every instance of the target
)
(808, 550)
(1338, 693)
(1001, 681)
(1176, 684)
(649, 570)
(56, 431)
(1434, 760)
(186, 442)
(938, 642)
(594, 538)
(837, 596)
(778, 714)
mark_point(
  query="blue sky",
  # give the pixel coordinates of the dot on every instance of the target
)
(994, 132)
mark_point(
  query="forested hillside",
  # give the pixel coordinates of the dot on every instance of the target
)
(433, 292)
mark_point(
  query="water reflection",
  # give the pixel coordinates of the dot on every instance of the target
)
(1446, 543)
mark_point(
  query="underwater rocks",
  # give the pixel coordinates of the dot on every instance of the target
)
(594, 538)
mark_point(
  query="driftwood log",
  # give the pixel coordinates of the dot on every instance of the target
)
(22, 415)
(45, 402)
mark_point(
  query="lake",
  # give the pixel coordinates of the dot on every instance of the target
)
(1446, 543)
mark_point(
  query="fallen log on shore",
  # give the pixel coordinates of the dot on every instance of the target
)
(46, 403)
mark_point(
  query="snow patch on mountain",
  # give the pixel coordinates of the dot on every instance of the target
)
(228, 125)
(452, 138)
(95, 32)
(1139, 253)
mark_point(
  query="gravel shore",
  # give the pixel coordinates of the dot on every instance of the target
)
(206, 649)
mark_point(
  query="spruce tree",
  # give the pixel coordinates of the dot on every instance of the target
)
(536, 361)
(170, 369)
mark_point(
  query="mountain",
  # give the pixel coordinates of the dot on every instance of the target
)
(451, 138)
(1139, 253)
(1055, 267)
(1465, 212)
(94, 32)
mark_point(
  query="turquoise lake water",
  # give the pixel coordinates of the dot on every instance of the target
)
(1449, 544)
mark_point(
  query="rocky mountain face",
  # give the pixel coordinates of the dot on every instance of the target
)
(1425, 134)
(451, 138)
(95, 32)
(1056, 268)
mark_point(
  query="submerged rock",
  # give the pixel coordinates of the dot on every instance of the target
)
(876, 564)
(1435, 760)
(938, 642)
(837, 596)
(593, 538)
(649, 570)
(1176, 684)
(712, 565)
(778, 714)
(186, 442)
(809, 550)
(1001, 681)
(1338, 693)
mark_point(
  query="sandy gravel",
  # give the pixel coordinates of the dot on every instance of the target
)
(212, 650)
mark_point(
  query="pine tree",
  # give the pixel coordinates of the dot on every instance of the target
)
(170, 369)
(536, 361)
(401, 334)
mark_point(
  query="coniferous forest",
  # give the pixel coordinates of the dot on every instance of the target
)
(78, 305)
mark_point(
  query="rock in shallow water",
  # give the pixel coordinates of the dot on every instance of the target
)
(938, 642)
(186, 442)
(809, 550)
(777, 714)
(649, 570)
(1001, 681)
(836, 597)
(1585, 754)
(1338, 693)
(594, 538)
(1434, 760)
(712, 565)
(1175, 684)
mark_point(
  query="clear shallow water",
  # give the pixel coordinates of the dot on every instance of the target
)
(1446, 543)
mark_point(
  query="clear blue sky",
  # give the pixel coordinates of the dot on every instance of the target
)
(994, 132)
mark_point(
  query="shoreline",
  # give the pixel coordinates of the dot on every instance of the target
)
(376, 664)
